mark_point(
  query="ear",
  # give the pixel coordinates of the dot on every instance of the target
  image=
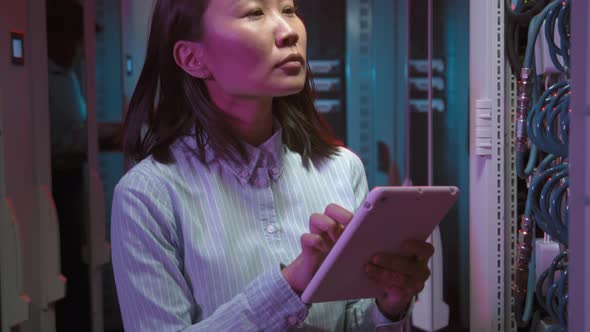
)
(189, 56)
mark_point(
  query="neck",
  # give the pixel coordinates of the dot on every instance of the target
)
(250, 118)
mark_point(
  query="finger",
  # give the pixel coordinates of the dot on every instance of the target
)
(415, 269)
(395, 263)
(421, 273)
(387, 279)
(324, 225)
(413, 290)
(314, 242)
(419, 249)
(394, 284)
(341, 215)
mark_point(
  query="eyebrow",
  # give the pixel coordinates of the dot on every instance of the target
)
(237, 2)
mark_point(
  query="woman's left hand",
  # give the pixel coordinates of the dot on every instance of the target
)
(401, 276)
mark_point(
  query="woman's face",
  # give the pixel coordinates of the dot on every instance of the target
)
(254, 48)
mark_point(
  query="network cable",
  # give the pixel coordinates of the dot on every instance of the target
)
(554, 302)
(542, 134)
(558, 14)
(525, 280)
(547, 122)
(541, 185)
(528, 89)
(518, 16)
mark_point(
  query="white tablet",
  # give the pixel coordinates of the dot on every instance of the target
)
(387, 217)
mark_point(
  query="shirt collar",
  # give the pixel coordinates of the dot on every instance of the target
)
(264, 161)
(264, 164)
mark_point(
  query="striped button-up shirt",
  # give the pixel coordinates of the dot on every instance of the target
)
(198, 246)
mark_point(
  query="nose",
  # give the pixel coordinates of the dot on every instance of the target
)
(285, 34)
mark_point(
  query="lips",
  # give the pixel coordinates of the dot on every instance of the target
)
(292, 58)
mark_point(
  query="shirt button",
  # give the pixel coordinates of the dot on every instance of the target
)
(244, 173)
(271, 229)
(293, 320)
(274, 171)
(262, 182)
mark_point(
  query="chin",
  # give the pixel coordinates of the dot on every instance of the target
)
(288, 92)
(289, 88)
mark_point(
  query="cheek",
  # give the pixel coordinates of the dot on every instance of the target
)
(302, 38)
(234, 61)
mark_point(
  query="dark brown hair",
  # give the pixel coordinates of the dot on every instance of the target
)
(170, 103)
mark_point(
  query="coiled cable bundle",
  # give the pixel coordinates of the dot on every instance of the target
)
(542, 138)
(554, 299)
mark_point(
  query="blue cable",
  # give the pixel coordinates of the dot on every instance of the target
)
(560, 230)
(563, 36)
(540, 102)
(557, 15)
(565, 128)
(528, 310)
(567, 213)
(545, 133)
(562, 111)
(549, 35)
(546, 224)
(539, 288)
(555, 299)
(563, 298)
(539, 131)
(556, 201)
(522, 171)
(555, 265)
(528, 307)
(516, 5)
(545, 111)
(534, 28)
(537, 184)
(547, 126)
(542, 166)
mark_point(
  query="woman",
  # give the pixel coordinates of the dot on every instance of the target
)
(216, 228)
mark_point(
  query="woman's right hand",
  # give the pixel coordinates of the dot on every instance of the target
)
(325, 229)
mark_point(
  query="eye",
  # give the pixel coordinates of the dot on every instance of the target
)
(255, 13)
(290, 10)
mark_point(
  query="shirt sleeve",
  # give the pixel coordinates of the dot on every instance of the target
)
(359, 183)
(154, 294)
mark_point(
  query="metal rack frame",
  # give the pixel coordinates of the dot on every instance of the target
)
(492, 179)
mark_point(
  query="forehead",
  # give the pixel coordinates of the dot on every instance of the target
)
(235, 3)
(221, 5)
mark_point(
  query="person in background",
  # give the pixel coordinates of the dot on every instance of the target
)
(69, 141)
(239, 191)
